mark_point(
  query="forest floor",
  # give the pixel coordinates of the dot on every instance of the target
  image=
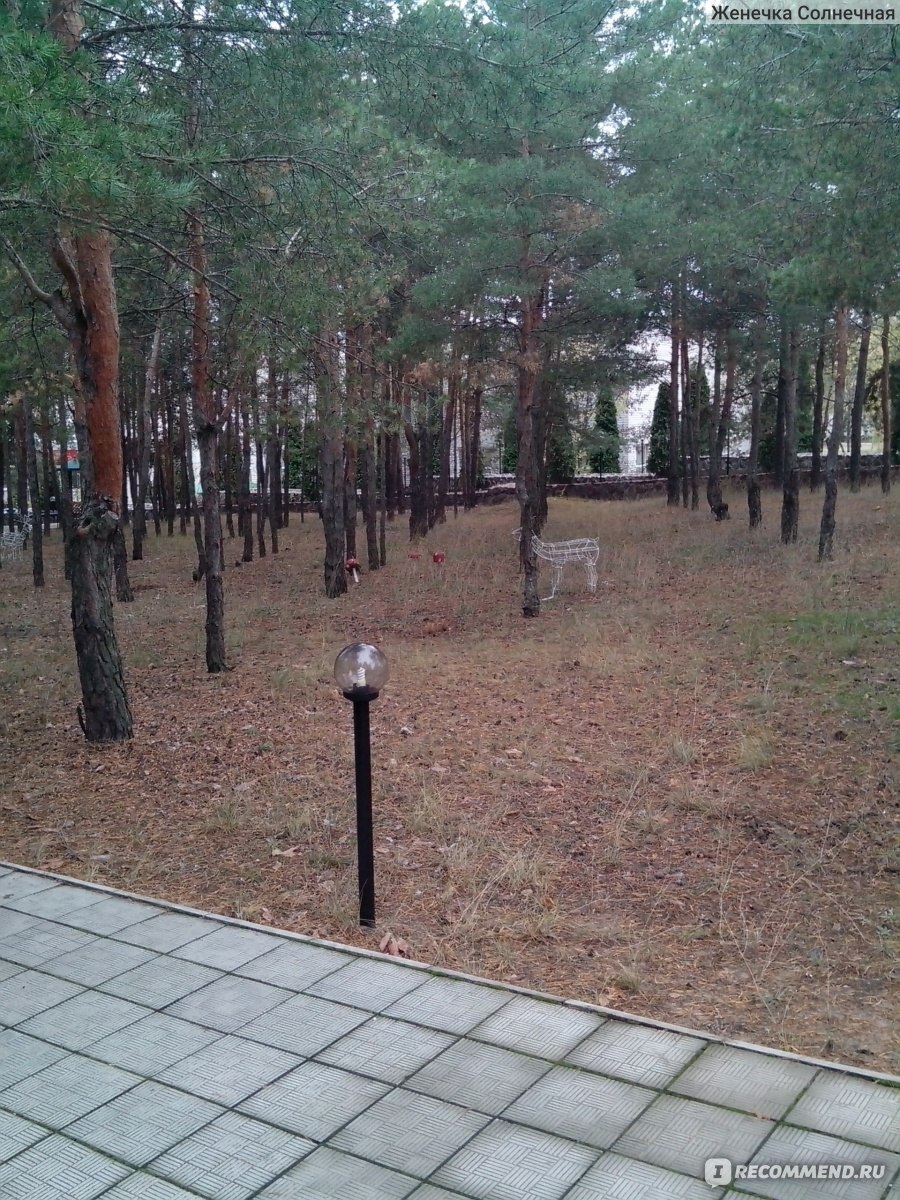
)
(677, 796)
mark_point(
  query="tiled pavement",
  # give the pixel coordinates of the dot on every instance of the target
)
(148, 1053)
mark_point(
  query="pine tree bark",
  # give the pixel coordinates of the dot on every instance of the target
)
(672, 475)
(245, 516)
(694, 395)
(382, 499)
(37, 540)
(790, 498)
(331, 461)
(754, 501)
(448, 424)
(859, 399)
(718, 426)
(66, 522)
(206, 421)
(144, 410)
(815, 474)
(783, 373)
(527, 466)
(273, 459)
(106, 716)
(886, 405)
(827, 526)
(262, 482)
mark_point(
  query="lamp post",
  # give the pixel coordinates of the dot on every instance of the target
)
(361, 671)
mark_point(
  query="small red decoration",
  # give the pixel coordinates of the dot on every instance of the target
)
(438, 556)
(353, 569)
(414, 555)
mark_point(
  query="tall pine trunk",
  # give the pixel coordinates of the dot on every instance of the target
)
(790, 497)
(144, 409)
(245, 516)
(784, 352)
(859, 399)
(827, 526)
(754, 501)
(527, 466)
(815, 475)
(718, 426)
(672, 473)
(206, 421)
(331, 461)
(886, 405)
(37, 528)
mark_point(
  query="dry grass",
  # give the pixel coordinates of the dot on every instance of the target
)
(675, 796)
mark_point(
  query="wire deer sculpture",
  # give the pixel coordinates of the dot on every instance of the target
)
(13, 541)
(560, 554)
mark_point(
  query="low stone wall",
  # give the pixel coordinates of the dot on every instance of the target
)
(640, 486)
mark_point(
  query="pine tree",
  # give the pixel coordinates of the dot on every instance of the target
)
(605, 458)
(658, 459)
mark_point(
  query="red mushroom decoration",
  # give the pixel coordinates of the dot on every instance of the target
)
(438, 557)
(353, 569)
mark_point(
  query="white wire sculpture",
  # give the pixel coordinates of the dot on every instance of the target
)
(13, 541)
(559, 554)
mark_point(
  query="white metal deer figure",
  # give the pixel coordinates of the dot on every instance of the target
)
(13, 541)
(558, 554)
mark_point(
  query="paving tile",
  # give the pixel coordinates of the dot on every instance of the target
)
(328, 1175)
(8, 969)
(19, 883)
(486, 1078)
(84, 1019)
(315, 1100)
(109, 915)
(30, 992)
(303, 1025)
(16, 1135)
(409, 1132)
(756, 1083)
(386, 1049)
(429, 1192)
(637, 1053)
(453, 1005)
(228, 1003)
(160, 982)
(803, 1146)
(97, 962)
(368, 983)
(21, 1056)
(4, 871)
(682, 1134)
(140, 1125)
(51, 902)
(295, 965)
(858, 1109)
(65, 1091)
(141, 1186)
(229, 1070)
(12, 923)
(536, 1027)
(152, 1045)
(507, 1162)
(579, 1105)
(617, 1178)
(167, 932)
(233, 1157)
(57, 1169)
(228, 947)
(40, 942)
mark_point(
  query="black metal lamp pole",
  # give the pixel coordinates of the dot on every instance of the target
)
(361, 671)
(365, 838)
